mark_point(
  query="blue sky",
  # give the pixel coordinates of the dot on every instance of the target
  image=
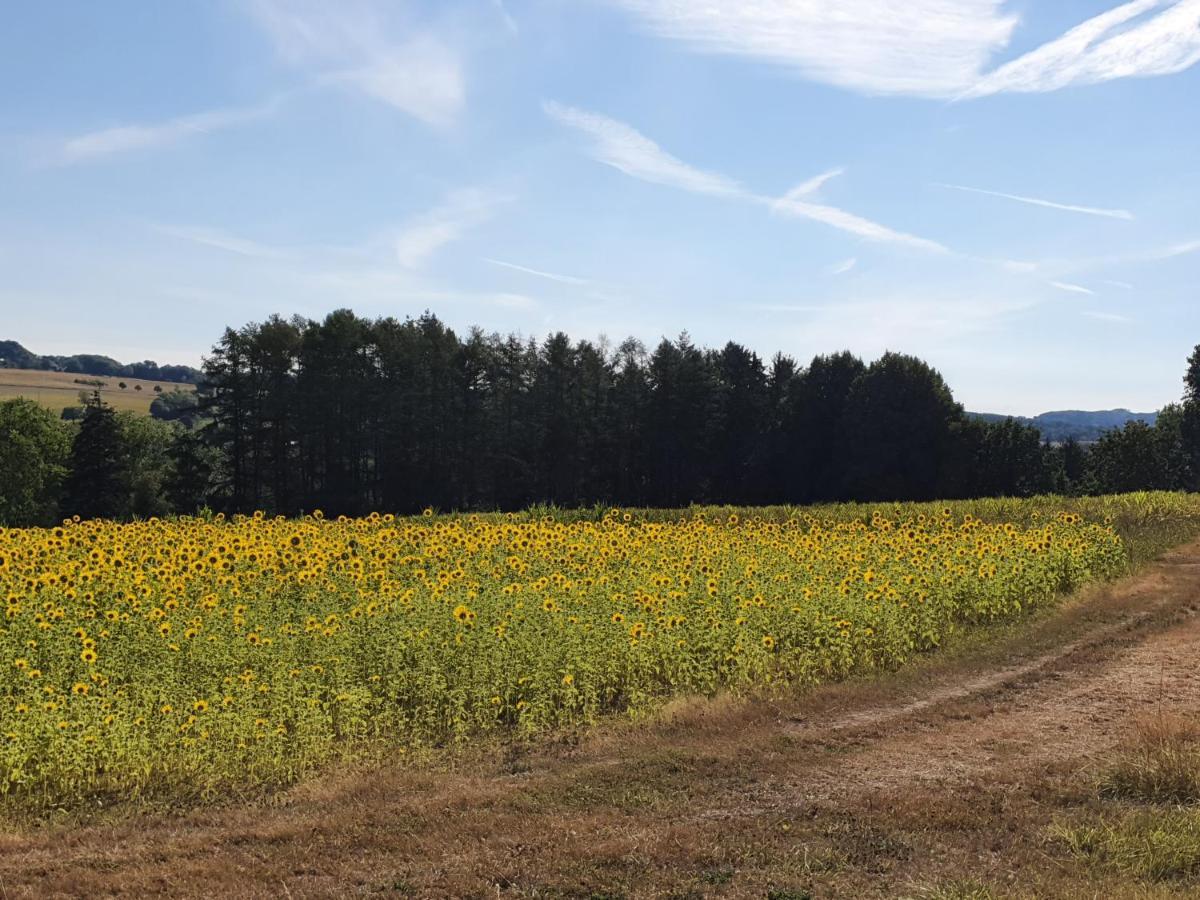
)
(1007, 189)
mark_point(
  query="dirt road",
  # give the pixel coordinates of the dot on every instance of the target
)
(883, 787)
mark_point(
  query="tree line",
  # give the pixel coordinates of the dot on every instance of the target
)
(15, 356)
(351, 414)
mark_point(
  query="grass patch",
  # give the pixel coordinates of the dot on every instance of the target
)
(958, 889)
(1155, 845)
(1162, 765)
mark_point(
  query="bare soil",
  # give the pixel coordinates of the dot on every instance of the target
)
(935, 779)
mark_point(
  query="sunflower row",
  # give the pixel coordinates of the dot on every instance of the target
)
(188, 654)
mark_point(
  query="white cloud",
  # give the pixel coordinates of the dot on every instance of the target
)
(1034, 201)
(411, 244)
(856, 225)
(107, 142)
(1023, 266)
(1070, 288)
(625, 148)
(1180, 249)
(843, 267)
(932, 48)
(551, 276)
(222, 240)
(509, 301)
(1102, 49)
(929, 48)
(787, 307)
(914, 324)
(363, 45)
(811, 186)
(1120, 284)
(424, 235)
(1106, 316)
(509, 22)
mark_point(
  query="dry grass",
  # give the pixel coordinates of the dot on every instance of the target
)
(956, 889)
(58, 390)
(1161, 765)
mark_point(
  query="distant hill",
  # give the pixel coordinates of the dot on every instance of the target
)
(1082, 425)
(14, 356)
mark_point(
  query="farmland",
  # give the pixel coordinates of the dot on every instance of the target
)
(58, 390)
(188, 657)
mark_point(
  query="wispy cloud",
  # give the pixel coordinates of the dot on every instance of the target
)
(550, 276)
(624, 148)
(874, 324)
(933, 48)
(811, 186)
(509, 22)
(410, 245)
(424, 235)
(1106, 47)
(362, 45)
(1107, 316)
(107, 142)
(509, 301)
(930, 48)
(1180, 249)
(1035, 201)
(1071, 288)
(786, 307)
(1120, 284)
(1023, 266)
(853, 224)
(628, 150)
(222, 240)
(843, 267)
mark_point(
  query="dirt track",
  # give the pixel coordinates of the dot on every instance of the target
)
(875, 788)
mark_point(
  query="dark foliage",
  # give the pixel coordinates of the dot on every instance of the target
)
(350, 414)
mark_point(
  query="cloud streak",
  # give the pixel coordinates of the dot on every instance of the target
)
(462, 211)
(1180, 249)
(1049, 204)
(222, 240)
(359, 45)
(549, 276)
(852, 224)
(811, 186)
(930, 48)
(97, 145)
(1103, 49)
(1107, 316)
(1071, 288)
(626, 149)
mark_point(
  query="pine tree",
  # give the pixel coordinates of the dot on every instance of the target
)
(99, 486)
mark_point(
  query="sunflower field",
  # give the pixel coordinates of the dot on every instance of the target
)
(179, 657)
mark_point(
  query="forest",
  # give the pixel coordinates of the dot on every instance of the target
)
(350, 415)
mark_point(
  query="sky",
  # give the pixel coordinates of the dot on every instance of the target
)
(1008, 190)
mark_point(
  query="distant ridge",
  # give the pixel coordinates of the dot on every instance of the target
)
(1081, 425)
(15, 356)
